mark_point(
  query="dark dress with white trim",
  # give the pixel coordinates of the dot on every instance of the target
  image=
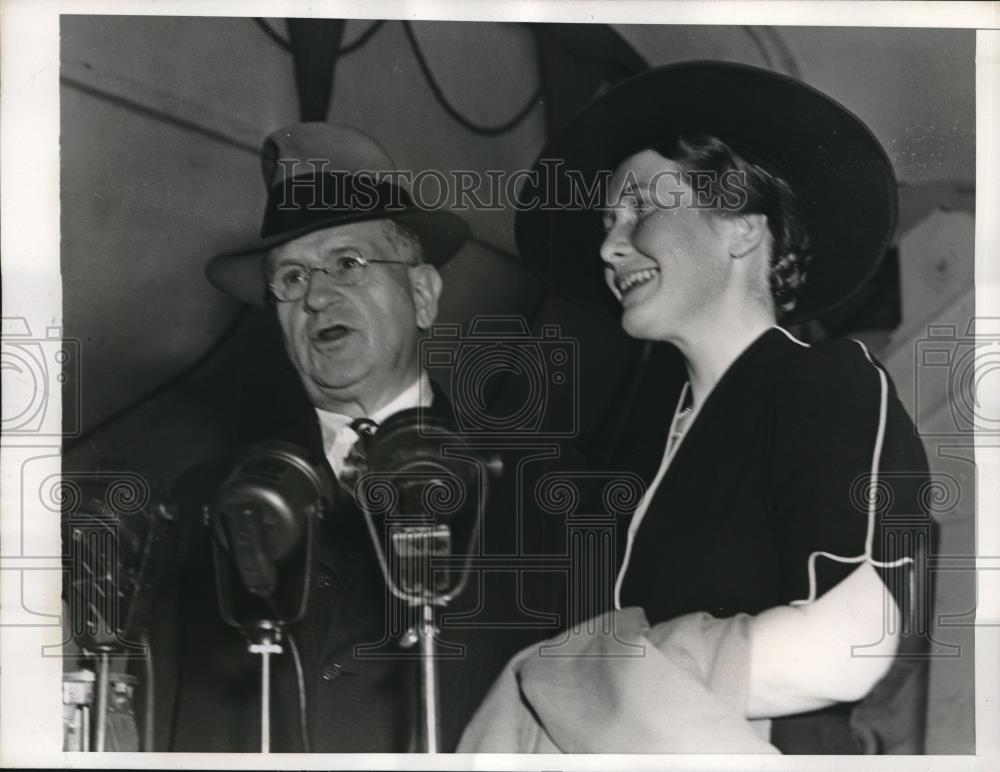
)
(768, 500)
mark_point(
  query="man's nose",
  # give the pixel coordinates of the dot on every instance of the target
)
(321, 291)
(617, 244)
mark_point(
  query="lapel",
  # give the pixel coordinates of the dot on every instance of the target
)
(741, 391)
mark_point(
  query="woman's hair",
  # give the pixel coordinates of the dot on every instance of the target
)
(725, 176)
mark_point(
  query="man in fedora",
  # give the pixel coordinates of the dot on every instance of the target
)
(349, 265)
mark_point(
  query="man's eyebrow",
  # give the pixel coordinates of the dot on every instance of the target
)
(339, 249)
(275, 258)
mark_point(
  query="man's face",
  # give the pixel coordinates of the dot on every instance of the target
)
(355, 347)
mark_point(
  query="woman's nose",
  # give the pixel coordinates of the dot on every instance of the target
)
(617, 244)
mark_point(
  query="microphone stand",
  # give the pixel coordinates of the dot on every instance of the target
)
(425, 633)
(264, 638)
(428, 680)
(103, 687)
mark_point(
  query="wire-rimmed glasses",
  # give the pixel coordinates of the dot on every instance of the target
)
(290, 281)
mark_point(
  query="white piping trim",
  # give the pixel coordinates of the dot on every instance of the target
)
(669, 451)
(791, 337)
(876, 454)
(865, 557)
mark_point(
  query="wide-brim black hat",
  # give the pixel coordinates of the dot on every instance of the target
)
(322, 175)
(840, 173)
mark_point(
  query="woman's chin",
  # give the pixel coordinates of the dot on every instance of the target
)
(642, 321)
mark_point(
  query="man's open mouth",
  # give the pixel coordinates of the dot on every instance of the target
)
(331, 334)
(635, 279)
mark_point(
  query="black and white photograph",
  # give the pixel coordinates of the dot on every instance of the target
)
(526, 387)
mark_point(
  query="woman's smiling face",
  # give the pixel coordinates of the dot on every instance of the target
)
(664, 258)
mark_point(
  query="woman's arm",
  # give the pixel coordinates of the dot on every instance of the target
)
(847, 478)
(802, 657)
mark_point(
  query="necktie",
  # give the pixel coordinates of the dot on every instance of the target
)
(355, 462)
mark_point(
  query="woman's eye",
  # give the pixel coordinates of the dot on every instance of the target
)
(626, 213)
(643, 205)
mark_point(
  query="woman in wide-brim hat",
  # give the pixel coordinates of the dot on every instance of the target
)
(736, 200)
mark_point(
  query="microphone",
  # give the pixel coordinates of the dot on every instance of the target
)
(422, 492)
(119, 545)
(263, 517)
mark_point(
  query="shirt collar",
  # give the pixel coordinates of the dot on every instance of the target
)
(417, 394)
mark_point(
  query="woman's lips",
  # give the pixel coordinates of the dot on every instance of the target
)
(633, 280)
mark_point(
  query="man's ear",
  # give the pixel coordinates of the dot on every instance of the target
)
(426, 285)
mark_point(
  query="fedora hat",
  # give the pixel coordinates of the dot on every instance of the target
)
(321, 175)
(840, 173)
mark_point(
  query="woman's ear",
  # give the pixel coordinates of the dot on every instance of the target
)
(425, 284)
(747, 234)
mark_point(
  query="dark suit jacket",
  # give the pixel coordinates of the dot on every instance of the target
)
(358, 682)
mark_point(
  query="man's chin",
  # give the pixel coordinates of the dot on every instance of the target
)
(333, 366)
(326, 389)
